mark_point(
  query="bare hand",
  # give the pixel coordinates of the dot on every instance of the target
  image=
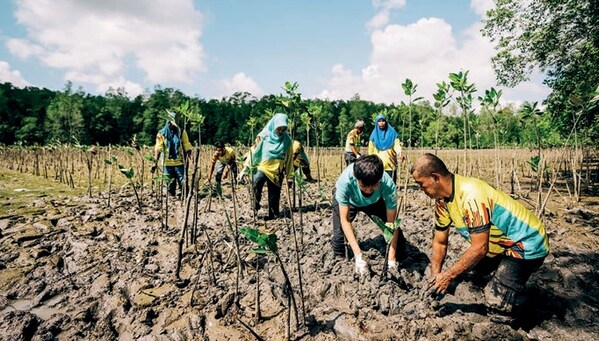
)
(441, 282)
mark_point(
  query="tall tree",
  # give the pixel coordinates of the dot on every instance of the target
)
(560, 37)
(65, 120)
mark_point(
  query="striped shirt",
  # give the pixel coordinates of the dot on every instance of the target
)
(475, 207)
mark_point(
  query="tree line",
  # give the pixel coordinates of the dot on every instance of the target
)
(452, 119)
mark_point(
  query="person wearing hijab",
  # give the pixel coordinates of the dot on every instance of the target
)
(173, 143)
(384, 143)
(271, 158)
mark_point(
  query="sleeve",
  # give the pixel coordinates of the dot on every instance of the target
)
(351, 138)
(476, 213)
(442, 218)
(341, 194)
(371, 149)
(186, 144)
(389, 192)
(159, 142)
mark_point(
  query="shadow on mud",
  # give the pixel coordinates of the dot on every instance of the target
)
(565, 288)
(413, 260)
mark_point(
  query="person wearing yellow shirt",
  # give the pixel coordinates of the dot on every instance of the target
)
(223, 160)
(173, 143)
(300, 159)
(353, 143)
(271, 158)
(505, 238)
(384, 143)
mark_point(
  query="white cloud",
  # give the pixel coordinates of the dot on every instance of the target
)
(132, 89)
(389, 4)
(240, 82)
(425, 51)
(95, 41)
(382, 18)
(11, 76)
(23, 48)
(379, 20)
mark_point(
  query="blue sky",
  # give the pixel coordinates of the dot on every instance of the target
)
(333, 49)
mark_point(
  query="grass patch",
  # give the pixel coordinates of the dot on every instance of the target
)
(19, 190)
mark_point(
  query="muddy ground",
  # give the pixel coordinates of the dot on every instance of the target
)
(77, 269)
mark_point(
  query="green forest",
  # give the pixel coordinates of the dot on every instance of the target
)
(452, 118)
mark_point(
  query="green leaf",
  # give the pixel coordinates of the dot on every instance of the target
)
(261, 251)
(108, 162)
(128, 172)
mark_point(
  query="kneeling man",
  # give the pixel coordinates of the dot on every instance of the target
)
(504, 236)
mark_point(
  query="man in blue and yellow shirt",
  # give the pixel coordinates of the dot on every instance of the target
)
(174, 144)
(504, 236)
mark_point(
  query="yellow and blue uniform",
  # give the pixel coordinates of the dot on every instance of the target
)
(162, 146)
(475, 206)
(389, 156)
(226, 158)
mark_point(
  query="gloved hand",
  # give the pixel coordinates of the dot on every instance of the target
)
(391, 265)
(358, 156)
(390, 226)
(153, 169)
(240, 176)
(361, 265)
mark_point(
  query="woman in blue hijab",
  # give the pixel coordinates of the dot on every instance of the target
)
(272, 159)
(384, 143)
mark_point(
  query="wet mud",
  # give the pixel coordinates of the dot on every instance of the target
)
(77, 269)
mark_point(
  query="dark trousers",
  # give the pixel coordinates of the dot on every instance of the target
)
(349, 158)
(274, 193)
(378, 209)
(177, 176)
(508, 282)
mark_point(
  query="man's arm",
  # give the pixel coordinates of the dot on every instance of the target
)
(348, 230)
(440, 241)
(477, 250)
(211, 171)
(354, 150)
(391, 216)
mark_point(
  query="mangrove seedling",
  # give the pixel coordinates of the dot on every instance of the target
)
(129, 173)
(388, 230)
(267, 244)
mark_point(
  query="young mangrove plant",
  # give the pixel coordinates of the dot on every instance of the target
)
(109, 163)
(267, 244)
(130, 173)
(388, 230)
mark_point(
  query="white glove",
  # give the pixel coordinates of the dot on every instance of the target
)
(391, 264)
(360, 265)
(358, 156)
(240, 176)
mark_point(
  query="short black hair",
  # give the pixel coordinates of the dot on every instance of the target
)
(369, 169)
(429, 164)
(219, 144)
